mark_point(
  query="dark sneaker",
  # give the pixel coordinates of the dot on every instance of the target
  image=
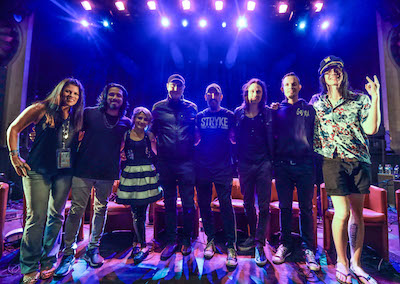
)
(209, 251)
(248, 244)
(65, 266)
(186, 249)
(231, 258)
(135, 250)
(281, 254)
(168, 251)
(311, 261)
(141, 255)
(260, 257)
(93, 257)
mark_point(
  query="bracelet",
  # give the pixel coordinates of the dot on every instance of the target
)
(14, 152)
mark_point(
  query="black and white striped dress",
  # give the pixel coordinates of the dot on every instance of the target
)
(139, 180)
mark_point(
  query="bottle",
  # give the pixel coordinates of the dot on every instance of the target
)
(380, 169)
(396, 172)
(390, 171)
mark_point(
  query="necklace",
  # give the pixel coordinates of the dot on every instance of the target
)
(107, 124)
(65, 132)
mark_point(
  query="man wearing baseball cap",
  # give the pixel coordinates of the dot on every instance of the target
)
(174, 129)
(343, 121)
(213, 165)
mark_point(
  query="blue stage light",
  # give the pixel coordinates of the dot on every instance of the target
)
(302, 25)
(241, 23)
(223, 24)
(325, 25)
(185, 23)
(84, 23)
(165, 22)
(106, 24)
(203, 23)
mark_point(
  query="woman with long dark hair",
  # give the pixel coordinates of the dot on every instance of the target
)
(47, 173)
(343, 121)
(254, 142)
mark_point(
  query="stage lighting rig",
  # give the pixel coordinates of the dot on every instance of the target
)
(86, 5)
(251, 5)
(152, 5)
(219, 5)
(282, 7)
(120, 5)
(318, 6)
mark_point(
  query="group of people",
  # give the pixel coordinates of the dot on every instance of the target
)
(175, 146)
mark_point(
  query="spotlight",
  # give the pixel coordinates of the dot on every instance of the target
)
(318, 6)
(165, 22)
(106, 24)
(241, 23)
(84, 23)
(219, 5)
(203, 23)
(120, 5)
(223, 24)
(152, 5)
(186, 4)
(251, 5)
(302, 25)
(86, 5)
(283, 7)
(325, 25)
(185, 23)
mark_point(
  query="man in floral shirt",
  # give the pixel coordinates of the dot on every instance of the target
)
(343, 121)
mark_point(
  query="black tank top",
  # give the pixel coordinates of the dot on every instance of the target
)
(42, 156)
(138, 152)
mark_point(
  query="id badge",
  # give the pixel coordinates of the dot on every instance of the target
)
(64, 158)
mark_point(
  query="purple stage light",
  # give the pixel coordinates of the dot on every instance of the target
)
(318, 6)
(84, 23)
(165, 22)
(219, 5)
(185, 23)
(152, 5)
(223, 24)
(325, 25)
(86, 5)
(251, 5)
(241, 23)
(186, 4)
(120, 5)
(203, 23)
(283, 7)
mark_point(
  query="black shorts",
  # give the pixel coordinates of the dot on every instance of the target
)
(346, 176)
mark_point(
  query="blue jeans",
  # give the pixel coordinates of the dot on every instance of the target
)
(80, 193)
(45, 198)
(289, 174)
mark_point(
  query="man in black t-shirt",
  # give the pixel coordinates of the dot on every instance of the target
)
(214, 134)
(97, 165)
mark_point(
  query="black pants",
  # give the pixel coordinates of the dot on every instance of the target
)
(256, 179)
(181, 174)
(139, 221)
(289, 174)
(224, 191)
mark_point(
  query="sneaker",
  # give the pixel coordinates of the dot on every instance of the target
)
(248, 244)
(65, 266)
(260, 257)
(168, 251)
(93, 257)
(209, 251)
(141, 255)
(186, 249)
(231, 258)
(135, 250)
(310, 260)
(281, 254)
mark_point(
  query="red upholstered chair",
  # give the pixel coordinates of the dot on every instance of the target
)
(237, 204)
(159, 219)
(274, 210)
(398, 209)
(375, 220)
(3, 206)
(119, 216)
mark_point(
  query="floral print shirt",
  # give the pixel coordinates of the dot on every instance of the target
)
(338, 128)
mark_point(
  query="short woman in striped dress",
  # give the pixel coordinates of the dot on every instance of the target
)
(139, 181)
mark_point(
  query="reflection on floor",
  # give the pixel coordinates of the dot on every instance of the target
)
(119, 268)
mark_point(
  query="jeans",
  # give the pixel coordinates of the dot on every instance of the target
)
(256, 179)
(204, 193)
(45, 198)
(80, 193)
(181, 174)
(289, 174)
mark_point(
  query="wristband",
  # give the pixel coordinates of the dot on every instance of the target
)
(14, 152)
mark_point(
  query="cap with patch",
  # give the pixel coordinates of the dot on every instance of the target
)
(215, 86)
(329, 62)
(176, 77)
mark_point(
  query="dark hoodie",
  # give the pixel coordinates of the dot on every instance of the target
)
(293, 130)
